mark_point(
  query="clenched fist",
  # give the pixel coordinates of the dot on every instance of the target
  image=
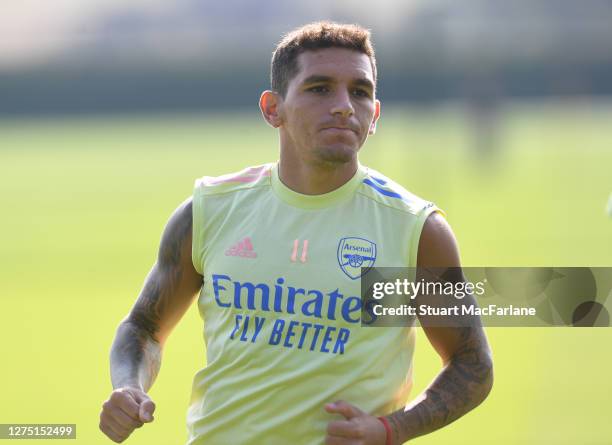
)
(126, 409)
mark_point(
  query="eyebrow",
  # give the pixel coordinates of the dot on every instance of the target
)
(317, 78)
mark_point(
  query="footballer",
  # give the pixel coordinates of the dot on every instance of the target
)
(273, 256)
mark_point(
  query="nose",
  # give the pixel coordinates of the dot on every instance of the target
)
(342, 104)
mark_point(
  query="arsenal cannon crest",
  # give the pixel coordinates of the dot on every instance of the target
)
(356, 256)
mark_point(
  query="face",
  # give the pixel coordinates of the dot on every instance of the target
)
(330, 107)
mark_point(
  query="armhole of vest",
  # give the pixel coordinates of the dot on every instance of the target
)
(196, 239)
(418, 228)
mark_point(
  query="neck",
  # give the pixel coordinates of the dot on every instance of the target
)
(314, 179)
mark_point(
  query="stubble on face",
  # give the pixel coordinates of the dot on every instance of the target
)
(331, 157)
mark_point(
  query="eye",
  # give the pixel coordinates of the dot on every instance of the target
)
(361, 92)
(318, 89)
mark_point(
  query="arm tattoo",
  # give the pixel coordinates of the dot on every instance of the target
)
(461, 386)
(136, 352)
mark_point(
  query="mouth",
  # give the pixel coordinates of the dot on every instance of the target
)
(339, 130)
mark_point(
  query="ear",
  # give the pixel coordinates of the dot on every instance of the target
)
(372, 129)
(269, 104)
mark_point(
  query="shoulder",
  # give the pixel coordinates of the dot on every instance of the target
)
(389, 193)
(182, 215)
(248, 178)
(437, 245)
(178, 232)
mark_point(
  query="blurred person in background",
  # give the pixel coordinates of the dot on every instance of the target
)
(275, 253)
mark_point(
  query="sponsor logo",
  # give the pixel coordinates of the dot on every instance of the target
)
(282, 297)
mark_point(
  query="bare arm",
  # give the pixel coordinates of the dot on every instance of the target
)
(135, 359)
(168, 291)
(466, 377)
(467, 374)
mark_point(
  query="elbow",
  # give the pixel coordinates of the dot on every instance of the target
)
(478, 372)
(145, 325)
(136, 329)
(486, 373)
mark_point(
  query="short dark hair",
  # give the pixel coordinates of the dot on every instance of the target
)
(313, 36)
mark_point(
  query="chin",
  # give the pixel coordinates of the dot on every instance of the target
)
(335, 154)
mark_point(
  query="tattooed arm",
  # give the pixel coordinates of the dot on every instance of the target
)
(168, 291)
(467, 375)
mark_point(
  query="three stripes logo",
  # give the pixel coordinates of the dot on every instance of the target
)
(243, 249)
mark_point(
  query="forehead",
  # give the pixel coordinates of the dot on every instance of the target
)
(334, 62)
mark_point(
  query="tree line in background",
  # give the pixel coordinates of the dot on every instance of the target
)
(419, 78)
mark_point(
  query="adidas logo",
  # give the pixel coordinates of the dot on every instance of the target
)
(243, 248)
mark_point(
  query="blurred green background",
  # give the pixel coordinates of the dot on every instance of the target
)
(84, 201)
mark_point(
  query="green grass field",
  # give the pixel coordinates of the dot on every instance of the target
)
(84, 202)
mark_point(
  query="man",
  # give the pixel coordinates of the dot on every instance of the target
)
(274, 251)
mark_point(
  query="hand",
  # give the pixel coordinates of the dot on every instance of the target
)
(357, 428)
(126, 409)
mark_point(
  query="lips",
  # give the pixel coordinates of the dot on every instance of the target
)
(342, 133)
(339, 129)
